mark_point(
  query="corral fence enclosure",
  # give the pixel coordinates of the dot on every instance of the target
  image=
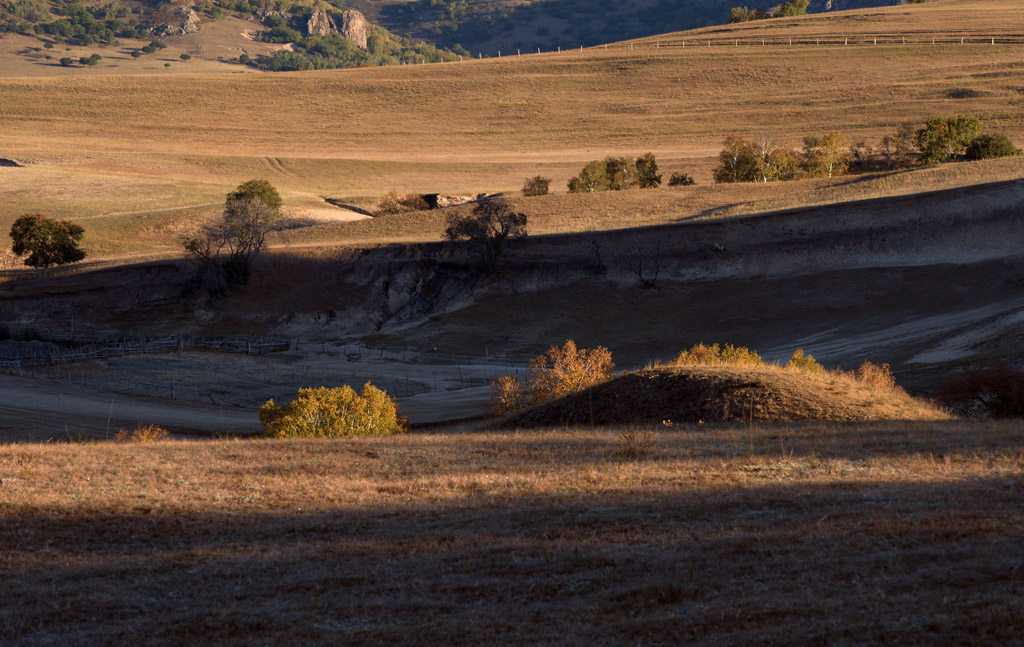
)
(34, 347)
(51, 353)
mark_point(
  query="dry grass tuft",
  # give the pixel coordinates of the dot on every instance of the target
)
(635, 443)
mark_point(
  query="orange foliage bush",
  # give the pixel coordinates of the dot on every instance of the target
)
(876, 375)
(142, 434)
(557, 373)
(704, 355)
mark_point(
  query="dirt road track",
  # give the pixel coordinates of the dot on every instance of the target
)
(32, 410)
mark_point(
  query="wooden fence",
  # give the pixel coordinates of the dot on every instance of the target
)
(93, 346)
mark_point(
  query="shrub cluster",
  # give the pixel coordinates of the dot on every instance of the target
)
(877, 375)
(714, 355)
(557, 373)
(393, 203)
(940, 139)
(331, 412)
(617, 174)
(803, 362)
(789, 8)
(536, 185)
(679, 178)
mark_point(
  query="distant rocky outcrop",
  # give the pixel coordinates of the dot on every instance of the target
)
(266, 14)
(186, 21)
(320, 24)
(353, 27)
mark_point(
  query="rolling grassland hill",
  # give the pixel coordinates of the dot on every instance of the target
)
(141, 159)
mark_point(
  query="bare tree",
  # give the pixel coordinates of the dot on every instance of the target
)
(645, 261)
(594, 245)
(225, 249)
(486, 228)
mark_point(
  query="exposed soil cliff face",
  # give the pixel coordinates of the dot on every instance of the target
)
(840, 280)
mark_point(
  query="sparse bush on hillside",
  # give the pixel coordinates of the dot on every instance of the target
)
(804, 362)
(486, 228)
(991, 146)
(704, 355)
(678, 178)
(557, 373)
(536, 185)
(995, 391)
(332, 412)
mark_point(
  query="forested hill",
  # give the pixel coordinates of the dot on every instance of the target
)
(489, 26)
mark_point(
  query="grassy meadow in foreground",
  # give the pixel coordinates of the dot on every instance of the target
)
(872, 533)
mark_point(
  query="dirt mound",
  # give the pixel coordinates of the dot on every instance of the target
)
(726, 394)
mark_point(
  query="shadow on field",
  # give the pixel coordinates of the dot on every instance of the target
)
(846, 563)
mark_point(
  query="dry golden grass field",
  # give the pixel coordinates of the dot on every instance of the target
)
(139, 158)
(864, 534)
(665, 526)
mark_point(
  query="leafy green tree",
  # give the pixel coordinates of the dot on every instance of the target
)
(647, 172)
(737, 162)
(593, 177)
(621, 173)
(742, 14)
(826, 156)
(256, 190)
(898, 149)
(792, 8)
(486, 228)
(764, 161)
(226, 248)
(942, 138)
(991, 146)
(46, 242)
